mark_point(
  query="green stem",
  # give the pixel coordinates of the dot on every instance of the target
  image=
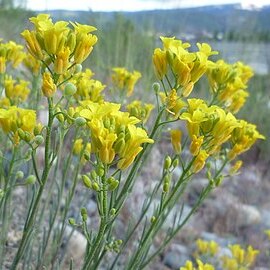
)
(96, 248)
(30, 222)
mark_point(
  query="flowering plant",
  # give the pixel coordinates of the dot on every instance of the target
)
(89, 140)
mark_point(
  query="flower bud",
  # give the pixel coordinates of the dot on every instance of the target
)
(39, 140)
(156, 87)
(84, 214)
(21, 134)
(78, 68)
(175, 163)
(31, 179)
(167, 163)
(112, 212)
(113, 185)
(48, 86)
(19, 175)
(27, 136)
(72, 221)
(166, 187)
(70, 89)
(80, 121)
(100, 171)
(153, 219)
(86, 181)
(95, 186)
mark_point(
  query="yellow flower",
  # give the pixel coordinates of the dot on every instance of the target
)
(196, 144)
(243, 137)
(176, 137)
(84, 47)
(113, 132)
(236, 167)
(2, 64)
(13, 118)
(199, 161)
(61, 63)
(160, 63)
(207, 247)
(125, 80)
(16, 92)
(48, 85)
(32, 44)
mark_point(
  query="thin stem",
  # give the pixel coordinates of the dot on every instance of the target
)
(29, 224)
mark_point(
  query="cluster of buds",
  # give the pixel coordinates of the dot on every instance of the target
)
(140, 110)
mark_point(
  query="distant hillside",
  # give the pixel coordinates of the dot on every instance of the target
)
(208, 21)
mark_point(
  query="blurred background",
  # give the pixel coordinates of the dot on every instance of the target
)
(128, 32)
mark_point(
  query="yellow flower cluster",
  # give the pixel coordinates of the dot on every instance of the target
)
(10, 52)
(59, 44)
(200, 266)
(207, 247)
(125, 80)
(140, 110)
(113, 133)
(210, 127)
(229, 83)
(187, 67)
(16, 92)
(243, 137)
(87, 88)
(14, 118)
(241, 259)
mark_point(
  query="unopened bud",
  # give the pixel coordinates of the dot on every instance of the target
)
(21, 134)
(95, 186)
(175, 163)
(167, 163)
(112, 212)
(153, 219)
(113, 185)
(31, 179)
(70, 89)
(86, 181)
(84, 214)
(80, 121)
(71, 221)
(156, 87)
(219, 180)
(19, 175)
(166, 187)
(39, 140)
(27, 136)
(78, 68)
(100, 171)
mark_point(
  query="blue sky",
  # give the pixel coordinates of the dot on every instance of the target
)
(130, 5)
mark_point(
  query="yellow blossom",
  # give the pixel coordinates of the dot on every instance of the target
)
(199, 161)
(176, 137)
(48, 85)
(196, 144)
